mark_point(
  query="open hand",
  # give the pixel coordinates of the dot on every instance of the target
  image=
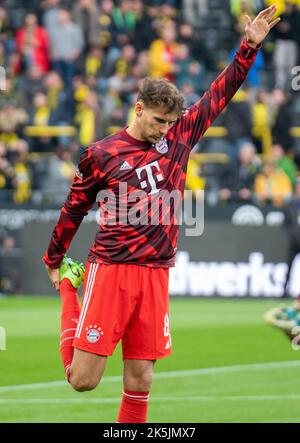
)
(54, 276)
(257, 30)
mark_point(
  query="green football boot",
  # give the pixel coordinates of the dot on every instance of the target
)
(72, 270)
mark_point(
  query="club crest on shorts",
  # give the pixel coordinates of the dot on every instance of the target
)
(162, 146)
(93, 333)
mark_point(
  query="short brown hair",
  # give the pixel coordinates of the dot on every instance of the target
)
(161, 92)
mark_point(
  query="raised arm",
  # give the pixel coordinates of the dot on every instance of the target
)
(201, 115)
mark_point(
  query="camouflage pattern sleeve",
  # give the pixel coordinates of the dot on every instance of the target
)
(197, 119)
(81, 198)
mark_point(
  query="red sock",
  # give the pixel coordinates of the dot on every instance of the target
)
(69, 318)
(134, 407)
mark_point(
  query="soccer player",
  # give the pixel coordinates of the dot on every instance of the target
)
(125, 295)
(286, 318)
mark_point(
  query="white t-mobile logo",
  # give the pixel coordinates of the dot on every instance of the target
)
(150, 176)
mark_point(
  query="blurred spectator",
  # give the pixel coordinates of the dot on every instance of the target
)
(193, 9)
(32, 44)
(30, 84)
(237, 179)
(272, 185)
(127, 74)
(60, 102)
(51, 13)
(192, 37)
(189, 93)
(105, 20)
(113, 112)
(60, 173)
(80, 92)
(193, 180)
(41, 115)
(186, 69)
(14, 173)
(6, 32)
(144, 63)
(88, 119)
(2, 56)
(12, 120)
(284, 163)
(144, 32)
(126, 60)
(86, 15)
(21, 182)
(287, 38)
(67, 42)
(291, 224)
(237, 121)
(94, 61)
(41, 111)
(282, 118)
(239, 8)
(261, 125)
(10, 270)
(20, 146)
(123, 24)
(162, 53)
(6, 174)
(168, 10)
(12, 90)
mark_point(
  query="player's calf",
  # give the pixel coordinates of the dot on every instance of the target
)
(138, 376)
(71, 275)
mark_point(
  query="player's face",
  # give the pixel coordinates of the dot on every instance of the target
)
(155, 123)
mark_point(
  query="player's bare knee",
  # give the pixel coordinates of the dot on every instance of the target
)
(141, 382)
(83, 383)
(146, 382)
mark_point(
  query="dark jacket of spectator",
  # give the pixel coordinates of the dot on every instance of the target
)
(237, 118)
(283, 122)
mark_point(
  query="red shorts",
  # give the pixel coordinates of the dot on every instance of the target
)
(125, 302)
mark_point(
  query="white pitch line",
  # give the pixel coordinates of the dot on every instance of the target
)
(166, 375)
(153, 399)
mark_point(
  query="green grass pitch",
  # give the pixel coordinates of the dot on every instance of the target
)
(227, 366)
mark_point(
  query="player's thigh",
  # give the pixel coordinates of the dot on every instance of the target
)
(138, 374)
(147, 336)
(86, 367)
(108, 301)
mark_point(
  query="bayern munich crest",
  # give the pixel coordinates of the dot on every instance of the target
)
(162, 146)
(93, 333)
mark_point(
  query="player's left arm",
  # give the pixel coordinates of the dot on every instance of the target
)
(197, 119)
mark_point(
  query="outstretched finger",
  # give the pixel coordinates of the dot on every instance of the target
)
(274, 22)
(267, 12)
(248, 20)
(269, 17)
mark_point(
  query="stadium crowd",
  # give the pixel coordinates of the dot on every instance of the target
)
(73, 69)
